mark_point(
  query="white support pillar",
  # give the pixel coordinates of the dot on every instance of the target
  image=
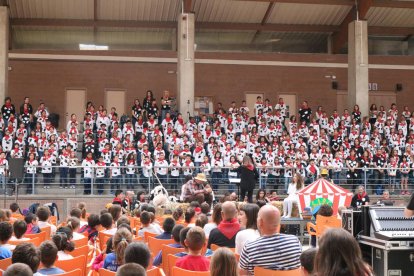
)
(4, 51)
(185, 75)
(358, 66)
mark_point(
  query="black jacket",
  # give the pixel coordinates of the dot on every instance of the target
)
(248, 178)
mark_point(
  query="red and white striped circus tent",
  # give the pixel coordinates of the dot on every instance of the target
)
(323, 189)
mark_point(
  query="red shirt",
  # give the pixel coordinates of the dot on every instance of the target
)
(193, 263)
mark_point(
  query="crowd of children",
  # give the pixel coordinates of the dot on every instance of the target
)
(376, 149)
(116, 240)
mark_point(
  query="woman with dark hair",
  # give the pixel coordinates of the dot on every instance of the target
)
(339, 255)
(63, 242)
(261, 195)
(248, 178)
(247, 219)
(6, 110)
(146, 104)
(215, 219)
(373, 113)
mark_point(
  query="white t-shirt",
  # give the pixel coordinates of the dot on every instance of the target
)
(245, 236)
(64, 256)
(43, 224)
(208, 227)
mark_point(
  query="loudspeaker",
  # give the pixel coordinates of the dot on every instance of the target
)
(335, 85)
(399, 87)
(54, 119)
(16, 166)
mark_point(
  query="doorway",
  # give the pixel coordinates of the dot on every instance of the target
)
(115, 98)
(75, 104)
(251, 98)
(291, 103)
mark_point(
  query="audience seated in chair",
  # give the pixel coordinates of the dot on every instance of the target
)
(131, 269)
(43, 214)
(307, 260)
(168, 226)
(176, 236)
(195, 241)
(31, 222)
(223, 262)
(19, 229)
(339, 254)
(27, 253)
(62, 240)
(147, 226)
(18, 269)
(107, 223)
(225, 233)
(6, 232)
(48, 257)
(272, 250)
(121, 239)
(139, 253)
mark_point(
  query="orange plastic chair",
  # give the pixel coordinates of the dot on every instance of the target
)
(134, 222)
(35, 241)
(76, 272)
(106, 272)
(156, 271)
(81, 242)
(17, 216)
(260, 271)
(171, 262)
(138, 239)
(167, 250)
(149, 234)
(75, 263)
(103, 238)
(80, 251)
(322, 224)
(42, 236)
(5, 263)
(214, 247)
(48, 231)
(155, 245)
(176, 271)
(53, 220)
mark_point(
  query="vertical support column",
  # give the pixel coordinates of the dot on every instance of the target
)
(185, 66)
(358, 66)
(4, 51)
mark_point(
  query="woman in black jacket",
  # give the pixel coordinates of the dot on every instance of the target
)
(248, 178)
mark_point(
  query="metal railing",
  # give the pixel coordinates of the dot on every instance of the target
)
(73, 180)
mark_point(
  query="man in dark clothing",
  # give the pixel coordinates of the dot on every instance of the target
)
(225, 233)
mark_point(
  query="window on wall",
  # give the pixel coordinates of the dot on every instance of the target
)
(60, 38)
(252, 41)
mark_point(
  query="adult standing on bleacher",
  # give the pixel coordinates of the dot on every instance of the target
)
(146, 104)
(165, 104)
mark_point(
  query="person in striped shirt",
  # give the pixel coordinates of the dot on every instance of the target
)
(272, 250)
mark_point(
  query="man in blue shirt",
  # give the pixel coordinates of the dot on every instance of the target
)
(6, 231)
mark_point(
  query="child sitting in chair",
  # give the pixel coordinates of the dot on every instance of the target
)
(194, 261)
